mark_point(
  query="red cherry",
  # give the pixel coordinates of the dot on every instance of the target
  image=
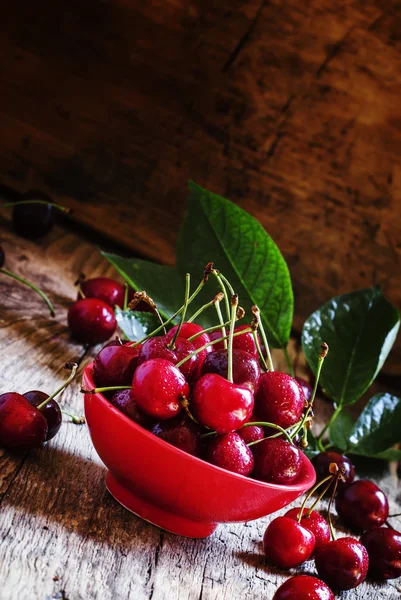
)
(342, 564)
(220, 405)
(181, 432)
(287, 544)
(91, 321)
(306, 388)
(243, 342)
(188, 330)
(158, 347)
(22, 426)
(115, 365)
(279, 399)
(109, 291)
(158, 388)
(362, 505)
(303, 587)
(384, 549)
(230, 452)
(246, 369)
(276, 461)
(315, 523)
(252, 433)
(51, 411)
(123, 401)
(322, 462)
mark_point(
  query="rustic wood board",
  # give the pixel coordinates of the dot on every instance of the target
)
(62, 536)
(290, 111)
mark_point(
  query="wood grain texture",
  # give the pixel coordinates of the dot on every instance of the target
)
(291, 111)
(62, 535)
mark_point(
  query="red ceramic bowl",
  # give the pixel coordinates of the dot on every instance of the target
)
(170, 488)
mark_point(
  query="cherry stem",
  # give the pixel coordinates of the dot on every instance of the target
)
(212, 343)
(126, 297)
(256, 312)
(221, 321)
(316, 502)
(214, 328)
(73, 368)
(310, 493)
(62, 208)
(234, 305)
(200, 311)
(320, 361)
(185, 404)
(396, 515)
(33, 287)
(223, 289)
(265, 424)
(289, 363)
(74, 418)
(171, 345)
(333, 535)
(113, 388)
(259, 349)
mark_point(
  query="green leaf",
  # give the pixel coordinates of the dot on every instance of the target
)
(311, 450)
(378, 426)
(390, 454)
(215, 229)
(360, 329)
(135, 325)
(161, 283)
(340, 430)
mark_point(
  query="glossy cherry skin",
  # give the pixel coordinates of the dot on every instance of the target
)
(51, 411)
(115, 365)
(91, 321)
(303, 587)
(158, 388)
(253, 432)
(362, 505)
(22, 426)
(33, 221)
(2, 257)
(230, 452)
(220, 405)
(276, 461)
(384, 549)
(181, 432)
(122, 400)
(246, 369)
(188, 330)
(315, 523)
(287, 544)
(243, 342)
(158, 347)
(108, 290)
(322, 462)
(342, 564)
(306, 388)
(279, 399)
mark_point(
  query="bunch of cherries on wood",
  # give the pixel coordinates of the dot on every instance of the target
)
(211, 392)
(342, 563)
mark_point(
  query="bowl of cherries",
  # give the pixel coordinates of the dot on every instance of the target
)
(194, 425)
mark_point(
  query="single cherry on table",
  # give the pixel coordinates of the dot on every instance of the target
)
(51, 411)
(22, 426)
(314, 522)
(303, 587)
(343, 563)
(287, 544)
(108, 290)
(362, 505)
(384, 549)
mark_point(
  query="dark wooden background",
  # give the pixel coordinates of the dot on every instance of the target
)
(291, 109)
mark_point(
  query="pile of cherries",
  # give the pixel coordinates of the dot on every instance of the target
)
(343, 563)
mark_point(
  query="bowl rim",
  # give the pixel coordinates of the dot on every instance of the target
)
(308, 469)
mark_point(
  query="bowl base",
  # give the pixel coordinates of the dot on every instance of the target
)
(155, 514)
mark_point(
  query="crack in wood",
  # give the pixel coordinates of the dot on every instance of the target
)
(332, 54)
(156, 562)
(243, 41)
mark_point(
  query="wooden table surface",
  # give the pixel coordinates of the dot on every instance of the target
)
(62, 535)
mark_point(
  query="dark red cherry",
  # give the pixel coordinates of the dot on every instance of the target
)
(220, 405)
(306, 388)
(342, 564)
(188, 330)
(279, 399)
(91, 321)
(180, 432)
(158, 388)
(362, 505)
(241, 342)
(2, 257)
(253, 432)
(115, 365)
(287, 544)
(322, 462)
(158, 347)
(384, 549)
(33, 221)
(314, 523)
(108, 290)
(276, 461)
(51, 411)
(22, 426)
(230, 452)
(246, 369)
(122, 400)
(303, 587)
